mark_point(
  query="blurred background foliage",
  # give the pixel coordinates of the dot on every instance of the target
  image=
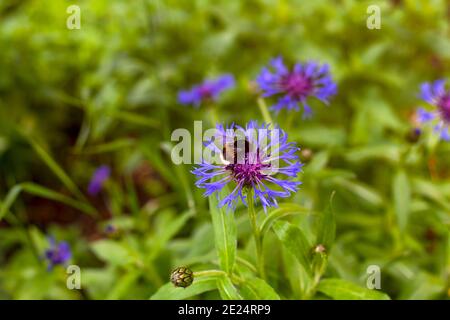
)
(71, 100)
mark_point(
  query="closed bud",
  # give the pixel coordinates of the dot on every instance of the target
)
(320, 249)
(182, 277)
(306, 154)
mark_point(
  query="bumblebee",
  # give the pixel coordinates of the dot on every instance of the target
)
(235, 152)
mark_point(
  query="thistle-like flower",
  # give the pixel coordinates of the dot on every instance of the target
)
(98, 180)
(255, 157)
(57, 253)
(436, 95)
(297, 85)
(209, 90)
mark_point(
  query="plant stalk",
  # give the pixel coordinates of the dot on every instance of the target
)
(265, 112)
(256, 235)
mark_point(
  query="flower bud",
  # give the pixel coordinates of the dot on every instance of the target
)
(182, 277)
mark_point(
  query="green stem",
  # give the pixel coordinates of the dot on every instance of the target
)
(206, 273)
(264, 111)
(290, 120)
(319, 270)
(212, 115)
(256, 234)
(212, 273)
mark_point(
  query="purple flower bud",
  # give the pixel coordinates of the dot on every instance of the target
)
(98, 179)
(209, 90)
(57, 253)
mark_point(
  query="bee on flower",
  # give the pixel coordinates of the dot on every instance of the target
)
(256, 157)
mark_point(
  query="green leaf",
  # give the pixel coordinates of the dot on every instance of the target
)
(318, 162)
(134, 119)
(122, 285)
(112, 252)
(401, 191)
(225, 234)
(295, 242)
(112, 146)
(320, 136)
(387, 152)
(42, 192)
(200, 285)
(431, 191)
(182, 178)
(171, 228)
(55, 168)
(327, 226)
(227, 290)
(257, 289)
(362, 191)
(339, 289)
(284, 209)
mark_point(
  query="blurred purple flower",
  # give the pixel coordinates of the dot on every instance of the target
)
(57, 253)
(250, 157)
(296, 86)
(209, 90)
(98, 179)
(110, 229)
(436, 95)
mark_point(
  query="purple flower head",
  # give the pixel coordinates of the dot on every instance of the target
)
(57, 253)
(209, 90)
(98, 179)
(294, 87)
(255, 157)
(436, 95)
(110, 229)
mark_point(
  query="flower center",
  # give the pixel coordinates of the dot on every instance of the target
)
(297, 85)
(247, 174)
(444, 107)
(206, 91)
(56, 256)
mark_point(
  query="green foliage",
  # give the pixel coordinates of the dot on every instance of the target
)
(170, 292)
(72, 100)
(224, 234)
(339, 289)
(295, 242)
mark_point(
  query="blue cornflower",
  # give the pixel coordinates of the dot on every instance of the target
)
(57, 253)
(297, 85)
(98, 180)
(252, 157)
(209, 90)
(437, 96)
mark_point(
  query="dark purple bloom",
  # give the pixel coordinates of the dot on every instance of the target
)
(110, 229)
(57, 253)
(209, 90)
(98, 179)
(437, 96)
(253, 157)
(297, 85)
